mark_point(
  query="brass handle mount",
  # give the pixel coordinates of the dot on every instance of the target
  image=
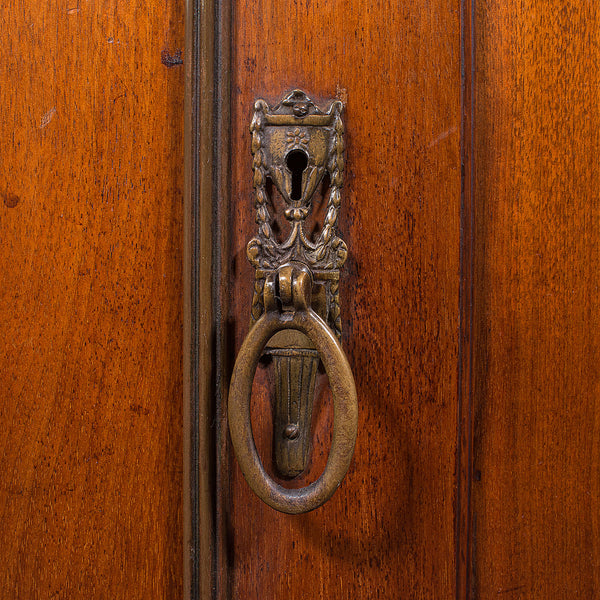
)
(304, 319)
(295, 315)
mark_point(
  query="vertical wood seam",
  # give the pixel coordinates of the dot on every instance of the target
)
(200, 314)
(220, 207)
(465, 352)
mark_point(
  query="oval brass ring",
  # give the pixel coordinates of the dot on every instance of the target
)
(345, 421)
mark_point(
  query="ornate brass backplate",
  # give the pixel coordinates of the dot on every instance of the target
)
(295, 316)
(295, 144)
(280, 136)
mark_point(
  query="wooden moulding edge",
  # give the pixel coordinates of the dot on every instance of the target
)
(206, 209)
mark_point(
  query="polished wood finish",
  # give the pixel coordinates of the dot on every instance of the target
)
(90, 313)
(389, 531)
(465, 351)
(201, 305)
(536, 490)
(469, 301)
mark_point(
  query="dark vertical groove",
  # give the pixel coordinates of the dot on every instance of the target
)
(220, 244)
(470, 579)
(216, 292)
(301, 399)
(278, 361)
(465, 351)
(206, 197)
(191, 499)
(288, 400)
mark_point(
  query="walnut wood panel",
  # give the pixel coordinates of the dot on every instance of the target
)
(536, 491)
(389, 531)
(90, 311)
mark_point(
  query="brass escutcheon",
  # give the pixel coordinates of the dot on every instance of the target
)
(295, 315)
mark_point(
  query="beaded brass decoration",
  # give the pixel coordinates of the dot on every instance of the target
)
(295, 315)
(296, 125)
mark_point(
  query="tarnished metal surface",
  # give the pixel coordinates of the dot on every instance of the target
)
(296, 145)
(295, 307)
(304, 319)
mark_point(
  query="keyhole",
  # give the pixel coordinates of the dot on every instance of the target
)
(296, 162)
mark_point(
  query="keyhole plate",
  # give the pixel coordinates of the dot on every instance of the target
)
(296, 161)
(295, 144)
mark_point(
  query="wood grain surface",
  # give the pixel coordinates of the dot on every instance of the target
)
(536, 490)
(90, 312)
(389, 531)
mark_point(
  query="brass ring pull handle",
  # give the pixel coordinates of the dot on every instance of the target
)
(298, 148)
(287, 306)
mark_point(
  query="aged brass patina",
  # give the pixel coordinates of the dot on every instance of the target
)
(305, 320)
(295, 309)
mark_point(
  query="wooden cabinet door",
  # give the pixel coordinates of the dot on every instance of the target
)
(91, 211)
(536, 445)
(390, 530)
(469, 299)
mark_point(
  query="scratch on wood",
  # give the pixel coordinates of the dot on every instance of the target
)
(45, 120)
(442, 136)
